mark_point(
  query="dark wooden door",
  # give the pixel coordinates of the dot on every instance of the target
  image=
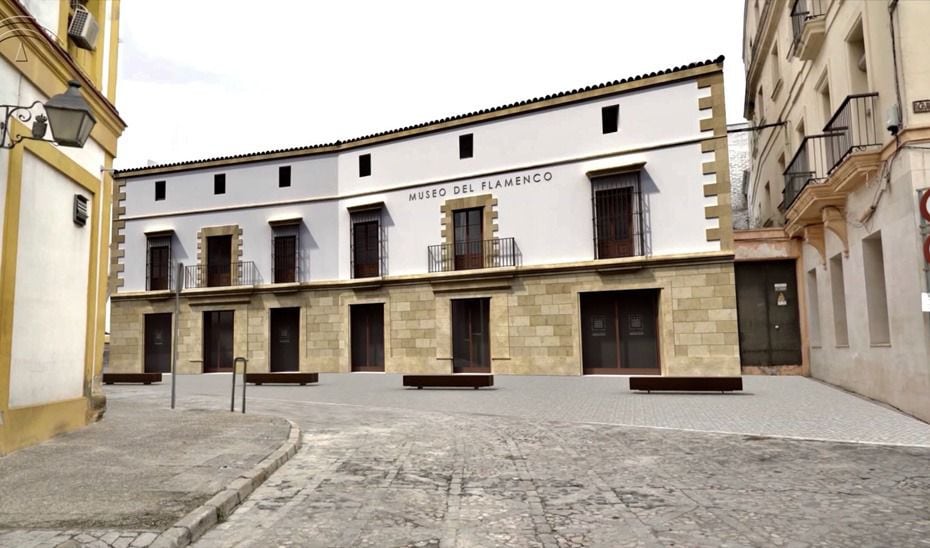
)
(614, 212)
(217, 341)
(469, 238)
(285, 259)
(767, 307)
(367, 337)
(285, 339)
(159, 258)
(157, 343)
(619, 332)
(365, 249)
(219, 252)
(471, 338)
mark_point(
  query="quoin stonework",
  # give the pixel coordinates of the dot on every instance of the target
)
(584, 232)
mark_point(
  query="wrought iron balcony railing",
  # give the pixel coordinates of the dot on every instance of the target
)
(802, 13)
(221, 275)
(493, 253)
(852, 128)
(809, 165)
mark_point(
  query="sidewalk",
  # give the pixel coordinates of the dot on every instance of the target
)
(129, 477)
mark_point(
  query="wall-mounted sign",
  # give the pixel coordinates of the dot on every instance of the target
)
(781, 287)
(922, 106)
(925, 302)
(487, 185)
(781, 300)
(925, 205)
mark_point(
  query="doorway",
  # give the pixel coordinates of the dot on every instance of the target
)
(468, 238)
(619, 332)
(157, 343)
(367, 336)
(219, 253)
(767, 308)
(471, 340)
(217, 341)
(285, 339)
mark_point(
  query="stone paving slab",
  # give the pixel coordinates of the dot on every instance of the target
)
(379, 477)
(793, 407)
(121, 481)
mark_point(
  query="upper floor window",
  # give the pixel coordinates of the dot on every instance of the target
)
(466, 145)
(285, 237)
(367, 241)
(159, 190)
(468, 238)
(284, 176)
(158, 262)
(364, 165)
(610, 119)
(219, 183)
(618, 225)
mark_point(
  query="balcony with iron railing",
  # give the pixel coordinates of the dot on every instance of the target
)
(808, 27)
(837, 160)
(242, 273)
(494, 253)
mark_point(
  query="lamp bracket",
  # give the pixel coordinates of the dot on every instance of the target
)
(22, 113)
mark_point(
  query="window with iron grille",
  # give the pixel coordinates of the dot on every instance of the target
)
(618, 216)
(367, 244)
(285, 254)
(158, 259)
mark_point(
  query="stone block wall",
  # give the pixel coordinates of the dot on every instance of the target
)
(535, 323)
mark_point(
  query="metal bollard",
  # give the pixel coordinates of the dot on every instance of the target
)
(232, 397)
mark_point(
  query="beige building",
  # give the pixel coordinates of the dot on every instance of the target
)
(55, 205)
(845, 86)
(586, 232)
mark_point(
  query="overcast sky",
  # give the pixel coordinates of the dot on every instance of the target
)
(203, 78)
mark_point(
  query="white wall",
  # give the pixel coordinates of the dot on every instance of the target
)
(551, 220)
(51, 290)
(45, 12)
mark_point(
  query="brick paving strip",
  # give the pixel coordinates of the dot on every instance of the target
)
(144, 476)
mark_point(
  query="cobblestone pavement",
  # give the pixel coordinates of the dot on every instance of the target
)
(27, 538)
(794, 407)
(377, 477)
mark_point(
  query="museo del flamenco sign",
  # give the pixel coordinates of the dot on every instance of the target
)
(486, 185)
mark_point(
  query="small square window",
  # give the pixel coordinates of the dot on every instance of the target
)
(610, 118)
(364, 165)
(159, 190)
(284, 176)
(466, 145)
(219, 183)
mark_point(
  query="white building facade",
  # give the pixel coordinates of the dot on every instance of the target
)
(586, 232)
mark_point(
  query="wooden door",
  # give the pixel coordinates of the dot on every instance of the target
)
(219, 253)
(367, 337)
(471, 338)
(159, 264)
(767, 306)
(620, 332)
(217, 341)
(285, 259)
(366, 249)
(614, 211)
(285, 339)
(468, 234)
(157, 343)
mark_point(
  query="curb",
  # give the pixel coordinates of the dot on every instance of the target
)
(221, 505)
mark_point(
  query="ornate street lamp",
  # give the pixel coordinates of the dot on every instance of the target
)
(68, 114)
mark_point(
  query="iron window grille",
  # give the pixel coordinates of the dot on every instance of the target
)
(159, 274)
(617, 204)
(802, 13)
(368, 242)
(285, 254)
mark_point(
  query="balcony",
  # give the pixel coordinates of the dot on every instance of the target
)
(495, 253)
(241, 273)
(827, 167)
(808, 23)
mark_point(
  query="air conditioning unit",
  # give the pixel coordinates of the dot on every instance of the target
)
(83, 28)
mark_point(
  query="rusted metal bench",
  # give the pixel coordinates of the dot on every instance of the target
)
(135, 378)
(290, 377)
(687, 384)
(449, 381)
